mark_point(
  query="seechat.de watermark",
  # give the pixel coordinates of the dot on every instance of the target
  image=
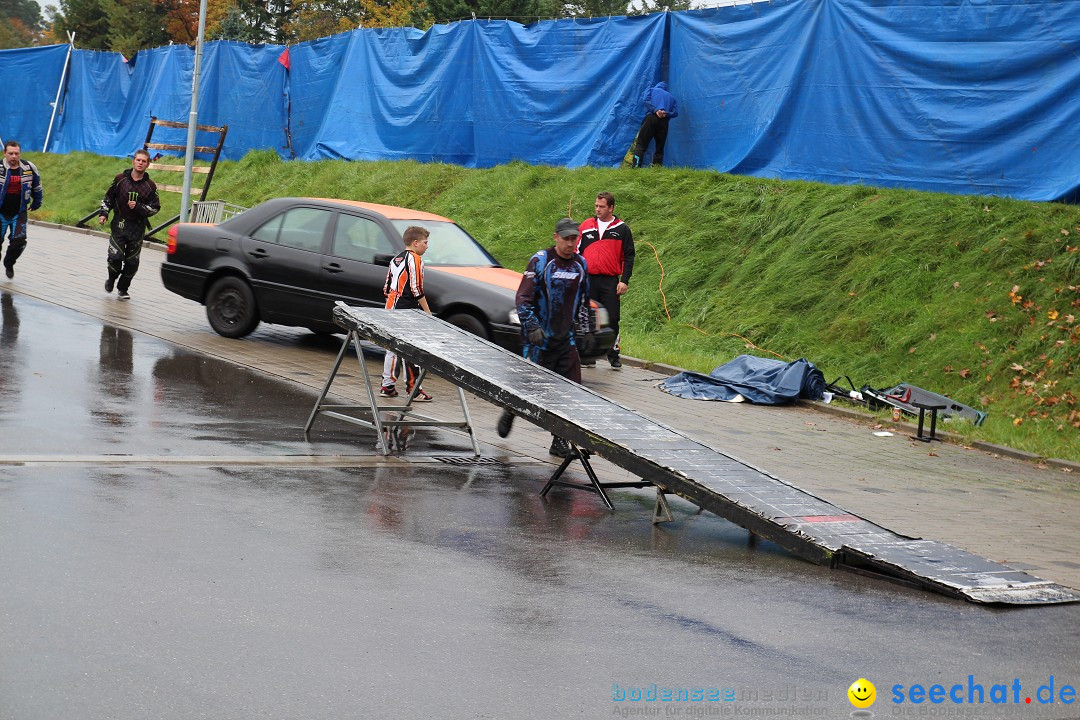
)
(970, 698)
(978, 693)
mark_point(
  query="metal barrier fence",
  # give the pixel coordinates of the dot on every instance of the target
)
(214, 211)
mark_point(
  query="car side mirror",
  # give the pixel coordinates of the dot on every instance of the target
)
(382, 259)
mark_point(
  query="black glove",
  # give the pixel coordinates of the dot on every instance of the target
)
(536, 336)
(588, 344)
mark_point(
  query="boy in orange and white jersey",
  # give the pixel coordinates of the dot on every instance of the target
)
(404, 290)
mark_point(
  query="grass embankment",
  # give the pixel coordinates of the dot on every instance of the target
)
(972, 297)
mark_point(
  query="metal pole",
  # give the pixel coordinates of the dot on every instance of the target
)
(59, 89)
(193, 116)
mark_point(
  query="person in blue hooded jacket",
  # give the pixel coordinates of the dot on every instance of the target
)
(661, 107)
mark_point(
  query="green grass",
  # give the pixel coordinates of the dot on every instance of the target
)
(881, 285)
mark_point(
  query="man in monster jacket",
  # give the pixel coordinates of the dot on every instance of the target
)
(608, 247)
(21, 192)
(133, 199)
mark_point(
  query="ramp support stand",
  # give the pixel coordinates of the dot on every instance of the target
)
(661, 511)
(923, 407)
(594, 484)
(372, 413)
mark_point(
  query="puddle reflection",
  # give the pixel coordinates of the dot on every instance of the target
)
(9, 336)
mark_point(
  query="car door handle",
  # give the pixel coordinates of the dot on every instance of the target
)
(258, 253)
(334, 268)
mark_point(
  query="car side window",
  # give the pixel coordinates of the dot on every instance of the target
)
(301, 228)
(358, 238)
(268, 232)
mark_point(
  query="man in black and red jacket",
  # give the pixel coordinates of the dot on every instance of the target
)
(608, 247)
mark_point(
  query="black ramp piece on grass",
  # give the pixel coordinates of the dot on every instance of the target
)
(800, 522)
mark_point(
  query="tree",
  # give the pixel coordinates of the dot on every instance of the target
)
(594, 8)
(260, 21)
(26, 12)
(319, 18)
(182, 18)
(651, 6)
(85, 18)
(257, 21)
(524, 11)
(602, 8)
(134, 25)
(233, 27)
(14, 34)
(127, 26)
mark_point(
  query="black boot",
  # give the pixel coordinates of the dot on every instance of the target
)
(559, 447)
(506, 421)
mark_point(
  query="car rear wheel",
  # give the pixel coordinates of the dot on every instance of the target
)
(231, 308)
(469, 323)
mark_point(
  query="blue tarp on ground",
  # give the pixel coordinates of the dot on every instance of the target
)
(762, 381)
(962, 96)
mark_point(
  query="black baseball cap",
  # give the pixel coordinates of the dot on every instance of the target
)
(567, 228)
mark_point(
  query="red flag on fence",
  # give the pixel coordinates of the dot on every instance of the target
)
(283, 58)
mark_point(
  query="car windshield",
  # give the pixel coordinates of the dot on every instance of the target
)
(449, 244)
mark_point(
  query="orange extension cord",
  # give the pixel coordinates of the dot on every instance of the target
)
(668, 312)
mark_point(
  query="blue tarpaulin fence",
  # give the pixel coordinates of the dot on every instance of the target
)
(961, 96)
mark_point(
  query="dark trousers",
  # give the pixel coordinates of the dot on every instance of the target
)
(15, 229)
(652, 128)
(125, 247)
(604, 290)
(560, 357)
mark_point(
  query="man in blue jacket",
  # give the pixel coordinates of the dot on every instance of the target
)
(553, 305)
(661, 107)
(21, 191)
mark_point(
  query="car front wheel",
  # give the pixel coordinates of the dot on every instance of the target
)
(231, 308)
(469, 323)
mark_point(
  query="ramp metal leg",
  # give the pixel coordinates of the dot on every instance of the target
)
(923, 407)
(326, 386)
(388, 429)
(594, 485)
(594, 482)
(661, 511)
(416, 388)
(468, 421)
(372, 402)
(321, 406)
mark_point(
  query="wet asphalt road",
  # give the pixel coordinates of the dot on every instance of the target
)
(167, 551)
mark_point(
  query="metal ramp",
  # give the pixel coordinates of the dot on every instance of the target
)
(750, 497)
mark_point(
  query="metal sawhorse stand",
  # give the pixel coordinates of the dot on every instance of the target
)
(923, 407)
(661, 513)
(406, 416)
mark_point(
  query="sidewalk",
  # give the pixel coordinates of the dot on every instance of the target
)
(1008, 510)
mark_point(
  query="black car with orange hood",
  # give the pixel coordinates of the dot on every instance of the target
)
(288, 260)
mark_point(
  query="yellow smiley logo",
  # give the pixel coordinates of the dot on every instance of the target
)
(862, 693)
